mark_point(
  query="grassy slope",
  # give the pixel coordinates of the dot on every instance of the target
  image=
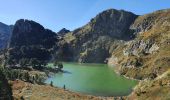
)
(157, 62)
(157, 89)
(46, 92)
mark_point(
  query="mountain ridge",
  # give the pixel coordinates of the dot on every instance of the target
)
(135, 46)
(106, 27)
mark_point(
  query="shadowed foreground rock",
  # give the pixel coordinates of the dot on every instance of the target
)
(5, 89)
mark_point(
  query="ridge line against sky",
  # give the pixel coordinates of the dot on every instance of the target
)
(70, 14)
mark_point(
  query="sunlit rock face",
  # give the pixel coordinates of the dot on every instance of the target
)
(115, 23)
(141, 47)
(94, 42)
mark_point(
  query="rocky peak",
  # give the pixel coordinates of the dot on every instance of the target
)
(63, 31)
(23, 25)
(115, 23)
(27, 32)
(100, 36)
(31, 40)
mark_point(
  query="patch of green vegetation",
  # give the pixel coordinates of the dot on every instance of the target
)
(69, 37)
(84, 53)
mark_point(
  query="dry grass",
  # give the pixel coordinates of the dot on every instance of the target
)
(157, 62)
(158, 89)
(45, 92)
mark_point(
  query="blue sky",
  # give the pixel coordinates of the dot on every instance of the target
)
(70, 14)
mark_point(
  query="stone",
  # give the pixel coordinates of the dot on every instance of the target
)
(5, 33)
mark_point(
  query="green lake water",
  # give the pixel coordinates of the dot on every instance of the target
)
(93, 79)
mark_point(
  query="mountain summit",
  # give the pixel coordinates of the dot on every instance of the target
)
(31, 40)
(114, 23)
(63, 32)
(28, 32)
(95, 41)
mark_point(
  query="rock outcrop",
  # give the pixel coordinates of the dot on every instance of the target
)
(140, 47)
(5, 33)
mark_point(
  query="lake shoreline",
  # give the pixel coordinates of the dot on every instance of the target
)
(91, 68)
(27, 90)
(56, 88)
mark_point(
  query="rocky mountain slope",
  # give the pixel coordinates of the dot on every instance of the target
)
(95, 42)
(5, 33)
(30, 40)
(139, 48)
(148, 55)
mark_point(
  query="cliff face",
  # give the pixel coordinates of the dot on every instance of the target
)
(94, 42)
(5, 33)
(147, 56)
(30, 40)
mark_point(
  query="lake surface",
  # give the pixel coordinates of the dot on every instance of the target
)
(93, 79)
